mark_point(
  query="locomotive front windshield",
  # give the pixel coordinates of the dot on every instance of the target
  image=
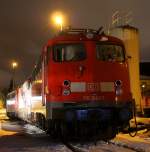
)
(69, 52)
(109, 52)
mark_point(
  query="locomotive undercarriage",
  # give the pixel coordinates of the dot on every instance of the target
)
(99, 123)
(81, 130)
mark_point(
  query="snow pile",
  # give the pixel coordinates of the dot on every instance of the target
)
(108, 147)
(129, 146)
(60, 148)
(133, 143)
(33, 130)
(57, 148)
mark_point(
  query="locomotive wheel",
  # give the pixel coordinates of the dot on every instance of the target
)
(49, 127)
(43, 122)
(63, 130)
(110, 133)
(54, 129)
(38, 119)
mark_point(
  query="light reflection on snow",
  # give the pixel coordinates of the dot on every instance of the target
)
(122, 143)
(33, 130)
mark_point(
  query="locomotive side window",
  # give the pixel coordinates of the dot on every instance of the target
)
(109, 52)
(11, 95)
(69, 52)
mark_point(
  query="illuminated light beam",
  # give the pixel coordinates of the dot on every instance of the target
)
(36, 98)
(14, 64)
(58, 18)
(10, 102)
(0, 126)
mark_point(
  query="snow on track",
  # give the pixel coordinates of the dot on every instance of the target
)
(28, 138)
(99, 147)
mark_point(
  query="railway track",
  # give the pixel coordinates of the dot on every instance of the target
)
(116, 145)
(74, 148)
(119, 144)
(102, 146)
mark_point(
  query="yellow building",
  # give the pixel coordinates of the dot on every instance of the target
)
(130, 37)
(145, 88)
(1, 101)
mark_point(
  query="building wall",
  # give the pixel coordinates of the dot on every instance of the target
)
(130, 37)
(145, 91)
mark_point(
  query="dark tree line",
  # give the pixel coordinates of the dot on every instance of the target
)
(5, 91)
(2, 99)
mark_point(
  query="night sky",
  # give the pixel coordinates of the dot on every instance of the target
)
(25, 26)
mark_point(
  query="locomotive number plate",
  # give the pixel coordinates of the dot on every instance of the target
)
(93, 98)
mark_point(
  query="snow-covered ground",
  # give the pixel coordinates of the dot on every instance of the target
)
(18, 136)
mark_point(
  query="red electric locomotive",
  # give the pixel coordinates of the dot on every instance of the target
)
(80, 86)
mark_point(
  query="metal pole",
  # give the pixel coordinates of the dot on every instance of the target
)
(61, 27)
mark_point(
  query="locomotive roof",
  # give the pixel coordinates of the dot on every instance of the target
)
(81, 35)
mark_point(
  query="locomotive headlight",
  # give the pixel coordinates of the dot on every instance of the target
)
(118, 86)
(89, 35)
(66, 87)
(119, 91)
(66, 83)
(104, 38)
(66, 92)
(10, 102)
(118, 83)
